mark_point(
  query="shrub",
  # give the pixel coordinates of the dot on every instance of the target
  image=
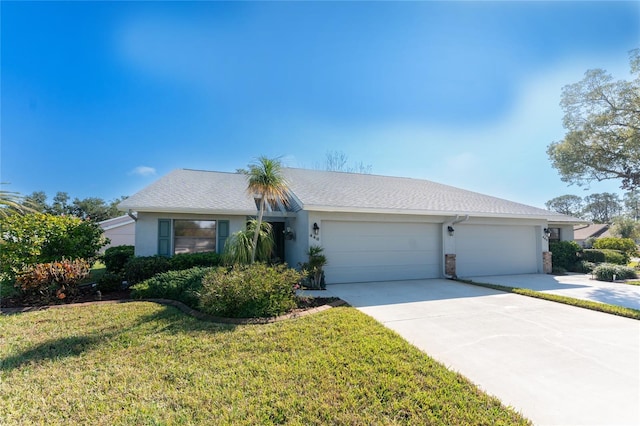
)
(615, 256)
(41, 282)
(42, 238)
(138, 269)
(557, 270)
(626, 245)
(606, 271)
(110, 282)
(7, 286)
(593, 255)
(313, 269)
(249, 291)
(584, 266)
(116, 257)
(588, 243)
(564, 254)
(191, 260)
(182, 285)
(605, 256)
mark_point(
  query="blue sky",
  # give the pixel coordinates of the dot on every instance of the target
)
(102, 98)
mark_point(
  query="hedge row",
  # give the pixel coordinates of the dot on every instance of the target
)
(248, 291)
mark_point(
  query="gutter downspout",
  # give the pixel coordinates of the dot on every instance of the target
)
(444, 249)
(132, 216)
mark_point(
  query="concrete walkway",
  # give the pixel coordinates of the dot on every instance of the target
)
(579, 286)
(556, 364)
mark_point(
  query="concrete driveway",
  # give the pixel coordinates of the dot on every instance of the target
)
(579, 286)
(556, 364)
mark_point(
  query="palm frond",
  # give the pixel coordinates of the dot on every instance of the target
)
(12, 202)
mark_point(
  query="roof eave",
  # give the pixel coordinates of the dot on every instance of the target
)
(177, 210)
(332, 209)
(205, 211)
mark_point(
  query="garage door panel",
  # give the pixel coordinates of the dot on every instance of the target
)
(380, 257)
(352, 274)
(496, 250)
(380, 251)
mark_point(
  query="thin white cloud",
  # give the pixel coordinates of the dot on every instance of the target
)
(143, 171)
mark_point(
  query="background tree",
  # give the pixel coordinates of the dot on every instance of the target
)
(92, 208)
(602, 208)
(338, 161)
(268, 185)
(60, 205)
(625, 227)
(38, 201)
(571, 205)
(602, 118)
(631, 201)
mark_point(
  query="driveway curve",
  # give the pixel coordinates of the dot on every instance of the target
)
(556, 364)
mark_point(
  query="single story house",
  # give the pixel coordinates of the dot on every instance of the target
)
(120, 230)
(372, 228)
(581, 233)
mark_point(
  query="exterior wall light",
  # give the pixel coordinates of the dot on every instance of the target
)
(547, 233)
(316, 229)
(450, 230)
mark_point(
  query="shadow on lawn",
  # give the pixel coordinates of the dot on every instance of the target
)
(167, 320)
(51, 350)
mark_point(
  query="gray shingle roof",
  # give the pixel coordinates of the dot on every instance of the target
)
(194, 191)
(215, 192)
(321, 190)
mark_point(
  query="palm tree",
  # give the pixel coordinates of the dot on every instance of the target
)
(268, 185)
(11, 201)
(238, 248)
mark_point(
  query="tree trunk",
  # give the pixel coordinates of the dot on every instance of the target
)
(257, 231)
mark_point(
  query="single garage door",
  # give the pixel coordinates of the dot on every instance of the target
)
(496, 250)
(379, 251)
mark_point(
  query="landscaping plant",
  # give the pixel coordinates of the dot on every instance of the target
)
(44, 282)
(42, 238)
(238, 249)
(249, 291)
(313, 269)
(626, 245)
(607, 272)
(564, 254)
(116, 257)
(184, 286)
(138, 269)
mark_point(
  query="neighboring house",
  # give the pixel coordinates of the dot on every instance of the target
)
(585, 231)
(372, 228)
(120, 230)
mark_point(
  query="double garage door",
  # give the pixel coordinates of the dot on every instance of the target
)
(387, 251)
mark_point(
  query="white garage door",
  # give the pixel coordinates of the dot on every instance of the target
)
(378, 251)
(496, 250)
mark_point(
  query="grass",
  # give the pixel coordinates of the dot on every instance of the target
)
(142, 363)
(632, 282)
(587, 304)
(97, 270)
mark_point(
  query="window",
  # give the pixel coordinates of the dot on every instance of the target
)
(194, 236)
(554, 234)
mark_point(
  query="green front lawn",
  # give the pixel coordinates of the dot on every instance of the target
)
(142, 363)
